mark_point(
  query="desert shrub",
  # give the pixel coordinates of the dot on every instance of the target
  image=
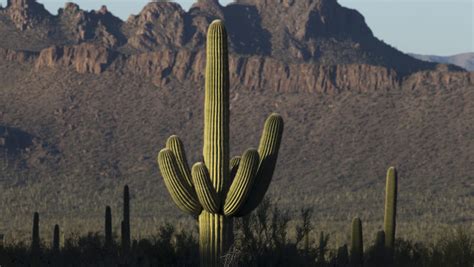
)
(263, 238)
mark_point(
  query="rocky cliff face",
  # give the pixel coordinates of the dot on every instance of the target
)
(285, 45)
(293, 32)
(84, 58)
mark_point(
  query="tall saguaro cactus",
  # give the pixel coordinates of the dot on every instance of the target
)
(219, 189)
(390, 208)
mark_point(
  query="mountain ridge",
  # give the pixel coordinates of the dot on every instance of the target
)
(463, 60)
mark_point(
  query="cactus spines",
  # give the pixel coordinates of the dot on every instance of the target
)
(108, 227)
(390, 208)
(357, 247)
(56, 242)
(126, 219)
(219, 189)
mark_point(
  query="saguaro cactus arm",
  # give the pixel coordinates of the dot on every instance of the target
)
(268, 151)
(182, 194)
(205, 192)
(174, 144)
(243, 182)
(234, 166)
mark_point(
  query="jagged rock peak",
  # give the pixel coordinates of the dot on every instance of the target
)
(158, 24)
(103, 10)
(287, 3)
(152, 11)
(26, 13)
(211, 7)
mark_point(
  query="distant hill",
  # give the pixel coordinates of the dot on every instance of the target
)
(465, 60)
(87, 101)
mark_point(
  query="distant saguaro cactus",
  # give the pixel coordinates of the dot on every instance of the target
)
(56, 243)
(390, 208)
(108, 227)
(342, 258)
(379, 249)
(35, 239)
(126, 219)
(219, 189)
(357, 248)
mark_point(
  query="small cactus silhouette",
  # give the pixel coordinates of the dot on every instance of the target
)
(357, 248)
(35, 240)
(56, 243)
(126, 219)
(108, 227)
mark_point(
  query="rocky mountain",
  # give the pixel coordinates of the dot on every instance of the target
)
(465, 60)
(87, 100)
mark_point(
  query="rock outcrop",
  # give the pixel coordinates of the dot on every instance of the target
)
(25, 14)
(157, 25)
(17, 56)
(84, 58)
(96, 26)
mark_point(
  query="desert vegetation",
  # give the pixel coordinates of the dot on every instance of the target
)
(263, 238)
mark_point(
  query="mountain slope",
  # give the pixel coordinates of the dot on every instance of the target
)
(87, 101)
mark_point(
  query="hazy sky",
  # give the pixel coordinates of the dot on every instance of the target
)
(441, 27)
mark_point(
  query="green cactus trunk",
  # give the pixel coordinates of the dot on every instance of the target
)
(357, 248)
(215, 237)
(390, 209)
(218, 189)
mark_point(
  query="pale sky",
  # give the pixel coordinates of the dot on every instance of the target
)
(439, 27)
